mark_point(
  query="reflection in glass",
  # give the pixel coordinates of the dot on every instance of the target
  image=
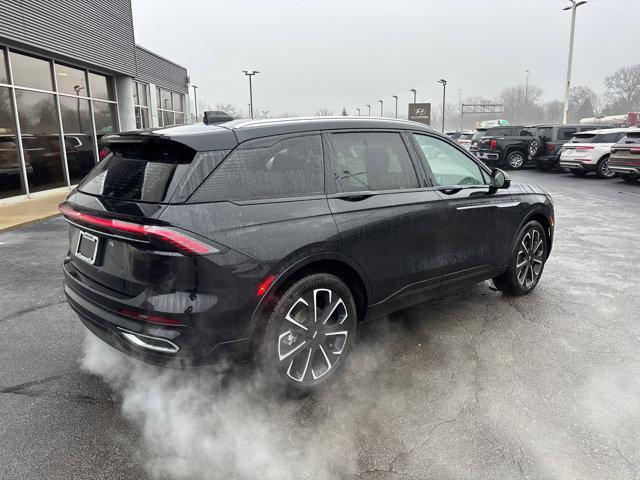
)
(178, 102)
(71, 80)
(105, 117)
(40, 140)
(167, 118)
(179, 118)
(101, 87)
(140, 96)
(30, 71)
(3, 68)
(11, 182)
(164, 100)
(142, 117)
(78, 136)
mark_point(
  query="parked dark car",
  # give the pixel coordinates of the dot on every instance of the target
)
(201, 244)
(546, 145)
(505, 147)
(497, 131)
(625, 157)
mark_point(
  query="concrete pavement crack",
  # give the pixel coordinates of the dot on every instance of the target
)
(31, 309)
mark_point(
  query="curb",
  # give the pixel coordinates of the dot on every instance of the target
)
(29, 222)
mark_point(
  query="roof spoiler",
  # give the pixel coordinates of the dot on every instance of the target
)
(213, 117)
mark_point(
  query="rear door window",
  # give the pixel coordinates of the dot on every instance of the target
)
(372, 161)
(565, 133)
(139, 172)
(273, 167)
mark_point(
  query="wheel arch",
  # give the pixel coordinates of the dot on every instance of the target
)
(335, 264)
(542, 217)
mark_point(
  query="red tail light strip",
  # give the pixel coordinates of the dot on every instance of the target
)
(179, 240)
(150, 317)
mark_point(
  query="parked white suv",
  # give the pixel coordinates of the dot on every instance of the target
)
(589, 152)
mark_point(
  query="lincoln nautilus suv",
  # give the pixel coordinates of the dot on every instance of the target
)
(270, 241)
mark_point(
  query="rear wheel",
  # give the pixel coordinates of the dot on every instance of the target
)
(528, 256)
(515, 160)
(309, 334)
(602, 168)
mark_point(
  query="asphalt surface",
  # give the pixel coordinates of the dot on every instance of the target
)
(475, 385)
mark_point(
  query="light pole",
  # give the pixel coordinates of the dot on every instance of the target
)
(381, 104)
(369, 107)
(414, 91)
(395, 97)
(444, 98)
(460, 102)
(358, 110)
(265, 112)
(195, 99)
(526, 99)
(571, 7)
(250, 73)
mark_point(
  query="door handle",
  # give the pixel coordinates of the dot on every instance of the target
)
(353, 196)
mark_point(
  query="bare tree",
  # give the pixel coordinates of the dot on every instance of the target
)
(521, 103)
(583, 102)
(623, 89)
(344, 112)
(324, 112)
(553, 111)
(229, 109)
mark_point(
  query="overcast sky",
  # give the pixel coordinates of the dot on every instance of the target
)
(335, 53)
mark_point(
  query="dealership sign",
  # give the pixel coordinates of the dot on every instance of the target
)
(420, 112)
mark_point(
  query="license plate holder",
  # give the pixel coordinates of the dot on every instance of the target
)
(87, 248)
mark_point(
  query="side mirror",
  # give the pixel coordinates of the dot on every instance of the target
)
(499, 179)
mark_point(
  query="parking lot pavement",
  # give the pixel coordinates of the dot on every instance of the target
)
(475, 385)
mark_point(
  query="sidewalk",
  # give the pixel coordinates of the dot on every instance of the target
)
(25, 212)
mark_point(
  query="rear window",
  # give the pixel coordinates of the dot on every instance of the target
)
(466, 136)
(139, 172)
(566, 133)
(543, 132)
(632, 137)
(584, 138)
(272, 167)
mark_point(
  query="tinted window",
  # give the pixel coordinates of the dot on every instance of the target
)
(275, 167)
(466, 136)
(373, 161)
(101, 87)
(566, 133)
(71, 80)
(584, 138)
(543, 132)
(449, 166)
(147, 174)
(30, 71)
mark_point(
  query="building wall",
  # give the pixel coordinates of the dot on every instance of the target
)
(152, 68)
(95, 32)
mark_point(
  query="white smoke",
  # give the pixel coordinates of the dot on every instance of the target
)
(200, 423)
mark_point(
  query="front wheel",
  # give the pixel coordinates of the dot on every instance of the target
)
(515, 160)
(528, 256)
(309, 334)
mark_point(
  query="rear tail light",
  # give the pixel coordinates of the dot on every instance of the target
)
(634, 150)
(493, 144)
(150, 317)
(584, 148)
(550, 147)
(167, 235)
(103, 153)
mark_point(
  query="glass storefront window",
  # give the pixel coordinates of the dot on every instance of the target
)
(179, 118)
(170, 107)
(101, 87)
(78, 136)
(11, 181)
(167, 118)
(178, 102)
(40, 140)
(140, 96)
(71, 80)
(164, 102)
(142, 117)
(4, 78)
(105, 117)
(30, 72)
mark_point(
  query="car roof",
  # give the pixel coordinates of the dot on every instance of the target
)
(602, 131)
(227, 135)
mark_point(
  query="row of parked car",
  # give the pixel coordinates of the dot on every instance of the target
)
(580, 149)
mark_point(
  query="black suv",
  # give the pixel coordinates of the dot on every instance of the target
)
(200, 244)
(504, 147)
(546, 145)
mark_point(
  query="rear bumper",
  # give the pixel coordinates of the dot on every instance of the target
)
(181, 346)
(489, 158)
(577, 165)
(620, 169)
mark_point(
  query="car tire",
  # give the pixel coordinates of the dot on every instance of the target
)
(301, 352)
(579, 173)
(536, 145)
(526, 262)
(516, 160)
(602, 168)
(629, 178)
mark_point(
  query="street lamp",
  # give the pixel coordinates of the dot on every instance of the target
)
(444, 98)
(250, 73)
(195, 99)
(396, 99)
(358, 110)
(369, 107)
(526, 98)
(265, 112)
(381, 104)
(572, 7)
(414, 91)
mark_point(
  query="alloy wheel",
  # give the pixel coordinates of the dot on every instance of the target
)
(530, 258)
(314, 335)
(606, 171)
(516, 160)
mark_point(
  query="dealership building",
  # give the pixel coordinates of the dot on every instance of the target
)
(70, 73)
